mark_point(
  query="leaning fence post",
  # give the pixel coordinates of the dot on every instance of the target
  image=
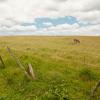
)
(30, 71)
(94, 90)
(18, 61)
(3, 64)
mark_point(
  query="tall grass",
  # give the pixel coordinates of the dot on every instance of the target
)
(56, 62)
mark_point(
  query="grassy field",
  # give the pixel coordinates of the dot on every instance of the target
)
(63, 70)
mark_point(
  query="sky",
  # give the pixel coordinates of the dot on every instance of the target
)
(50, 17)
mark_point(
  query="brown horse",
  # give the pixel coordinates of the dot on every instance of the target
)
(76, 41)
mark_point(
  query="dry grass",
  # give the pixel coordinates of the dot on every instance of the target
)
(56, 61)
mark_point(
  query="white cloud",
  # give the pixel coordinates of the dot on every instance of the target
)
(61, 30)
(28, 9)
(14, 12)
(66, 29)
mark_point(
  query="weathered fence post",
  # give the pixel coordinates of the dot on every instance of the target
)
(30, 71)
(19, 63)
(94, 90)
(3, 64)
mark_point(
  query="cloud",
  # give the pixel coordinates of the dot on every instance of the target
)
(92, 5)
(14, 13)
(3, 0)
(65, 27)
(60, 30)
(52, 8)
(74, 29)
(60, 0)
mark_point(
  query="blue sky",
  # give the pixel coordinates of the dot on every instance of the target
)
(50, 17)
(44, 22)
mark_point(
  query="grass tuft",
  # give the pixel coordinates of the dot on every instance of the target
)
(86, 74)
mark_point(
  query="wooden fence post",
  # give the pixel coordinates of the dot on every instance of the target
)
(18, 62)
(30, 71)
(94, 89)
(3, 64)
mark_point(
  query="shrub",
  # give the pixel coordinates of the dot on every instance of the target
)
(86, 74)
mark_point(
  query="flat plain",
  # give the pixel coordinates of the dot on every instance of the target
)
(63, 70)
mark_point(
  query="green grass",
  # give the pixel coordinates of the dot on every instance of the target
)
(59, 65)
